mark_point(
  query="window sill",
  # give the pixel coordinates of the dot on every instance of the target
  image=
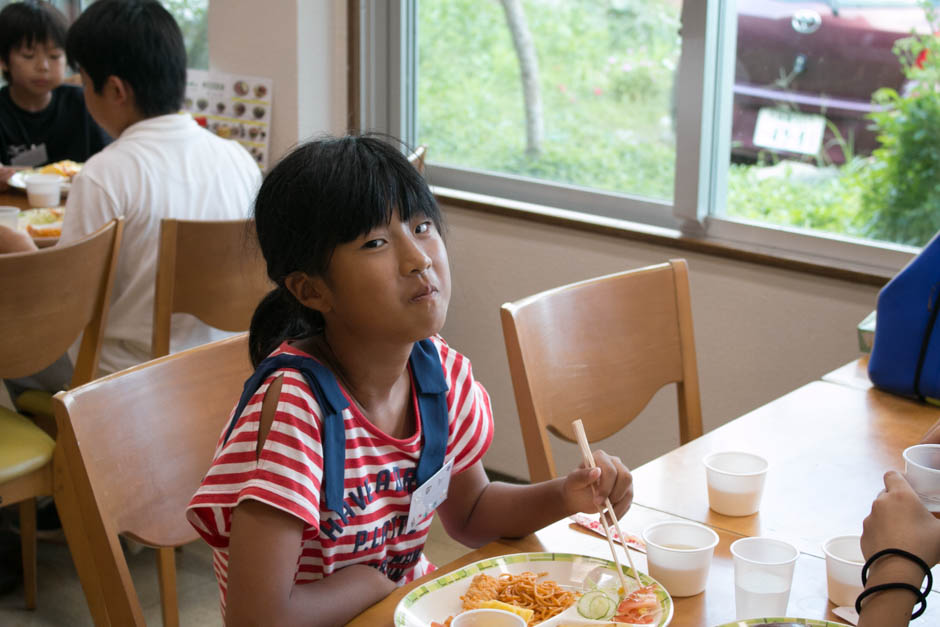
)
(673, 238)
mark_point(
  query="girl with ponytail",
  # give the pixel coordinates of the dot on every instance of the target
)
(310, 504)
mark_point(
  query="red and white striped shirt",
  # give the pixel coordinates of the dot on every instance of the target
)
(378, 479)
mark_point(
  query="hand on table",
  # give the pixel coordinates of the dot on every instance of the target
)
(585, 489)
(5, 173)
(899, 520)
(14, 241)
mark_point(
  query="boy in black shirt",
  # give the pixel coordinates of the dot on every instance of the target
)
(41, 120)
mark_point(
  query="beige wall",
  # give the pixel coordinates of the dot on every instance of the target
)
(301, 44)
(760, 332)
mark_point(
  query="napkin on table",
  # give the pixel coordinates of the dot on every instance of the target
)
(593, 523)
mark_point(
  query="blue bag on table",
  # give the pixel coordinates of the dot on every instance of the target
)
(905, 358)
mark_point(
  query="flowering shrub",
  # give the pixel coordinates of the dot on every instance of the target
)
(901, 199)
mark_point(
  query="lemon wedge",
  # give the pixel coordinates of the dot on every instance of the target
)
(525, 613)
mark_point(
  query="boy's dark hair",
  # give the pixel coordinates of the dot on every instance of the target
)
(29, 22)
(137, 41)
(325, 193)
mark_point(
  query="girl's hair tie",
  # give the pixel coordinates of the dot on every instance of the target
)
(920, 594)
(902, 553)
(897, 585)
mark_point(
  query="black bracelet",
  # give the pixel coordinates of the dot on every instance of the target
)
(921, 596)
(901, 552)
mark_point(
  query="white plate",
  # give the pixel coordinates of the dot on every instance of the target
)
(18, 180)
(440, 598)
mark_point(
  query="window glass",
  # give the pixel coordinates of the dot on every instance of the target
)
(191, 15)
(836, 118)
(193, 18)
(570, 91)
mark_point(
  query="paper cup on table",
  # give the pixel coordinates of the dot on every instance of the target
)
(763, 572)
(9, 217)
(679, 555)
(844, 561)
(487, 618)
(735, 482)
(922, 470)
(44, 190)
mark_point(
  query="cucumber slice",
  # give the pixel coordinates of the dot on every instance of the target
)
(596, 605)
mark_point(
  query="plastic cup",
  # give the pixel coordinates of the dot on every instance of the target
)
(763, 572)
(922, 471)
(487, 618)
(9, 217)
(679, 555)
(735, 482)
(44, 190)
(844, 561)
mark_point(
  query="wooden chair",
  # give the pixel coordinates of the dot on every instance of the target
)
(599, 350)
(213, 270)
(417, 158)
(137, 480)
(210, 269)
(50, 297)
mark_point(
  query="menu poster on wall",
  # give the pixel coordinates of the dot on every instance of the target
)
(232, 106)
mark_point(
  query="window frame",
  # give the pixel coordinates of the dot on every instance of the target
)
(387, 74)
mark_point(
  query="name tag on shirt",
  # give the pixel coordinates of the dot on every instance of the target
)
(36, 155)
(429, 496)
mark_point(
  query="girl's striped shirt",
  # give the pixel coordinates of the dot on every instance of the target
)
(378, 479)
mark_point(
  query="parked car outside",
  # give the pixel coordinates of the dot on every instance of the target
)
(806, 71)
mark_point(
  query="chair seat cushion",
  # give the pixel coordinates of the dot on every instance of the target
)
(35, 402)
(24, 447)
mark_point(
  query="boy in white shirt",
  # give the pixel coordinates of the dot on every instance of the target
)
(132, 62)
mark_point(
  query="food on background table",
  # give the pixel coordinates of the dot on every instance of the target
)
(66, 168)
(42, 222)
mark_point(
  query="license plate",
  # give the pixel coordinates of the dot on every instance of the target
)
(792, 131)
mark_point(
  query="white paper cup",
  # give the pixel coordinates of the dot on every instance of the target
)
(44, 190)
(844, 561)
(735, 482)
(922, 471)
(487, 618)
(679, 554)
(763, 572)
(10, 217)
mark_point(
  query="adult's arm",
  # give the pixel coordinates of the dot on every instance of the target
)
(13, 241)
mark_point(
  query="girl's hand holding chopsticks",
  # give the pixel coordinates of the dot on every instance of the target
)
(586, 489)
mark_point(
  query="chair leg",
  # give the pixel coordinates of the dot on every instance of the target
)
(166, 570)
(28, 544)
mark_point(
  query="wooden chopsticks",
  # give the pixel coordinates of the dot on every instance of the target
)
(589, 460)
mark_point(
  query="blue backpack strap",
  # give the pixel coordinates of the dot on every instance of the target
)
(432, 403)
(332, 402)
(431, 388)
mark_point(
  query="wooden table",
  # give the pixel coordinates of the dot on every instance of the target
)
(828, 443)
(828, 446)
(853, 374)
(715, 606)
(14, 198)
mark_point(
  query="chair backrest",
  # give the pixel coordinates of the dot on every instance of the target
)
(137, 443)
(210, 269)
(52, 296)
(599, 350)
(417, 158)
